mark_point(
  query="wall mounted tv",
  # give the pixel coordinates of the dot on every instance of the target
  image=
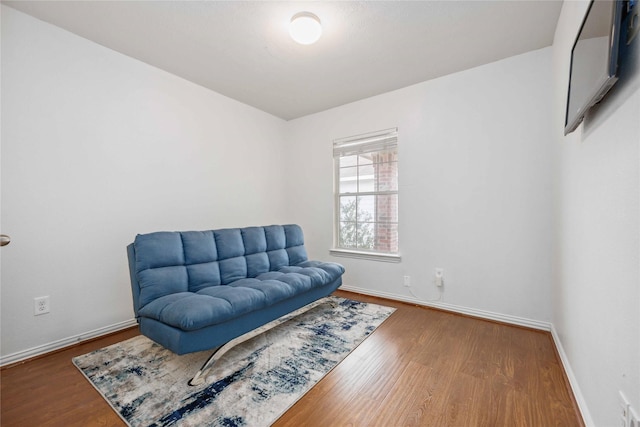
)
(594, 60)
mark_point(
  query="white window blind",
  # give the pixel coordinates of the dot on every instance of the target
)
(376, 141)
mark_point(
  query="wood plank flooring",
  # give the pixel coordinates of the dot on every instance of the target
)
(421, 367)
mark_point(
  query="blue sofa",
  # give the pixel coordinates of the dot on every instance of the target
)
(197, 290)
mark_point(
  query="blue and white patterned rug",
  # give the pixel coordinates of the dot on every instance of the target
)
(252, 385)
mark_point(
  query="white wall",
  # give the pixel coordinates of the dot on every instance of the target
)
(475, 186)
(97, 147)
(596, 296)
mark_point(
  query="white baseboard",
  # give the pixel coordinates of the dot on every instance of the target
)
(489, 315)
(65, 342)
(573, 382)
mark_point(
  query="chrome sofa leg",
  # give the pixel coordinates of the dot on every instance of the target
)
(200, 376)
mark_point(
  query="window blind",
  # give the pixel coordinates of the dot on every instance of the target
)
(376, 141)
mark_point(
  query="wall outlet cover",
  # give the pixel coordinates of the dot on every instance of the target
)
(41, 306)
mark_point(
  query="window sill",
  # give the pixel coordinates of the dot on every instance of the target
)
(372, 256)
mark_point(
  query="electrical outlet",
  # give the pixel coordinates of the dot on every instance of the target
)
(407, 281)
(41, 305)
(438, 277)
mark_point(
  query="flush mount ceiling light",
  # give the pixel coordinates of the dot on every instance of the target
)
(305, 28)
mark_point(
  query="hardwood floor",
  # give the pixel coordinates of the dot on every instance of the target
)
(420, 367)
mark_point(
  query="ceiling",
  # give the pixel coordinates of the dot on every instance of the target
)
(242, 49)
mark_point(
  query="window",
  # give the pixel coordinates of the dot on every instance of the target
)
(366, 189)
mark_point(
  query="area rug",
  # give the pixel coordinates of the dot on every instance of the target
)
(251, 385)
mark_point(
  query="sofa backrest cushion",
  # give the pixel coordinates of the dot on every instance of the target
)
(188, 261)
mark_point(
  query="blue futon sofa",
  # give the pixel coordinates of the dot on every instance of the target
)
(197, 290)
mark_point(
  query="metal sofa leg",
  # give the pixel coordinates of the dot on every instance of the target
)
(200, 376)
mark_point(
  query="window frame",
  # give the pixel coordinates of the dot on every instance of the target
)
(373, 142)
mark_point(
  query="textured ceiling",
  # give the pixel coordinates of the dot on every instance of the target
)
(243, 50)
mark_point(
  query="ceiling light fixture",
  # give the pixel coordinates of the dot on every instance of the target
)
(305, 28)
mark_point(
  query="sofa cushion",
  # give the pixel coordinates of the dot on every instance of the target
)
(199, 247)
(229, 243)
(277, 259)
(159, 249)
(203, 275)
(189, 311)
(275, 236)
(254, 240)
(257, 263)
(333, 269)
(317, 276)
(158, 282)
(296, 254)
(217, 304)
(298, 282)
(233, 269)
(273, 290)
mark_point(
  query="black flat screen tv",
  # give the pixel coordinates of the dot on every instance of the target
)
(594, 60)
